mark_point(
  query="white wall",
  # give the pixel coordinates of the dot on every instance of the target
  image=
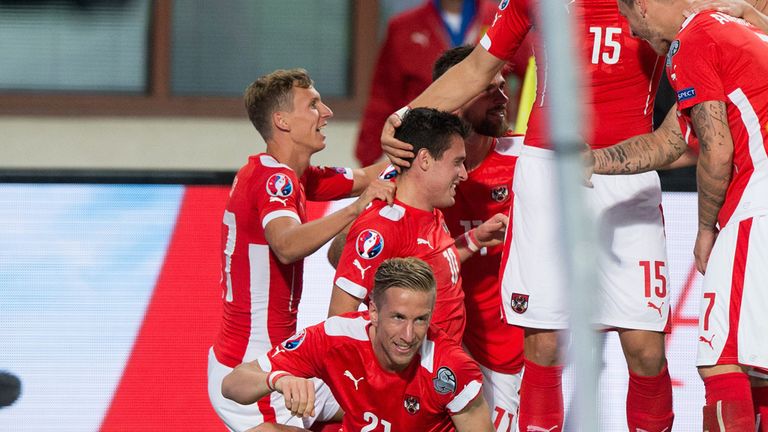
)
(144, 143)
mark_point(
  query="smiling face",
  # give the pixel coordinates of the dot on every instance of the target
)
(445, 173)
(400, 322)
(645, 22)
(307, 119)
(487, 111)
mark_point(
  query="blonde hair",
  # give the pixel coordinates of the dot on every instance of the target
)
(270, 93)
(408, 273)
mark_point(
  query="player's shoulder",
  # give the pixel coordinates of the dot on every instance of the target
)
(443, 359)
(351, 325)
(380, 212)
(509, 145)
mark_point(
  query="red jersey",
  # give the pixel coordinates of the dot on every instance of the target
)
(487, 191)
(621, 72)
(382, 232)
(440, 381)
(720, 58)
(260, 294)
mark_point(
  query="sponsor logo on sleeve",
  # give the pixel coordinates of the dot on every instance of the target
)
(279, 185)
(294, 341)
(444, 381)
(686, 94)
(369, 244)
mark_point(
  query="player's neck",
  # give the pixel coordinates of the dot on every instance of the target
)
(477, 148)
(287, 154)
(411, 192)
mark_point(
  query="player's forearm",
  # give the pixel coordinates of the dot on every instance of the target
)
(364, 176)
(301, 240)
(460, 83)
(246, 384)
(713, 172)
(757, 15)
(643, 153)
(342, 302)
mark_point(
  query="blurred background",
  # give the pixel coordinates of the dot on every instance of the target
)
(121, 127)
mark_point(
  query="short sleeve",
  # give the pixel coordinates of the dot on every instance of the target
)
(275, 194)
(298, 354)
(457, 378)
(692, 67)
(509, 29)
(327, 183)
(369, 243)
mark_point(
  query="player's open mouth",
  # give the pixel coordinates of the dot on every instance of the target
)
(403, 348)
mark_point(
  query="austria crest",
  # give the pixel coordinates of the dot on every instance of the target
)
(411, 404)
(500, 193)
(519, 302)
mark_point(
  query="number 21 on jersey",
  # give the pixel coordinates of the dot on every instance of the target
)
(606, 46)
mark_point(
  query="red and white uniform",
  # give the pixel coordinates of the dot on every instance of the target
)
(383, 232)
(720, 58)
(260, 294)
(496, 345)
(621, 75)
(440, 381)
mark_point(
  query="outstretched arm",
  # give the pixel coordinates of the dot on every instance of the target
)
(753, 11)
(645, 152)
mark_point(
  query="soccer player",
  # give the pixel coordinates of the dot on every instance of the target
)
(414, 225)
(490, 163)
(388, 367)
(265, 236)
(717, 65)
(622, 74)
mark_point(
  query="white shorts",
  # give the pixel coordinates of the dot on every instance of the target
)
(732, 317)
(502, 392)
(632, 256)
(242, 417)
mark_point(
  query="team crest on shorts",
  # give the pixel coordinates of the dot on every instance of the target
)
(411, 404)
(500, 193)
(294, 341)
(519, 302)
(279, 185)
(369, 244)
(445, 381)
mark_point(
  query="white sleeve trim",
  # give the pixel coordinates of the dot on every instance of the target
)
(277, 214)
(466, 396)
(486, 42)
(264, 363)
(351, 288)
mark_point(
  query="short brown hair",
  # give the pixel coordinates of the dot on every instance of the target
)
(270, 93)
(408, 273)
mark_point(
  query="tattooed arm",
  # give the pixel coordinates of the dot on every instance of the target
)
(713, 172)
(645, 152)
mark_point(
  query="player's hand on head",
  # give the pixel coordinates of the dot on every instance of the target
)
(491, 232)
(705, 241)
(734, 8)
(397, 151)
(299, 395)
(383, 190)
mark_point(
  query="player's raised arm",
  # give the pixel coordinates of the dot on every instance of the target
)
(291, 240)
(367, 175)
(452, 90)
(753, 11)
(475, 417)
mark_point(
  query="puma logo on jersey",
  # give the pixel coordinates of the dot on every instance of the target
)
(280, 200)
(362, 269)
(421, 241)
(532, 428)
(278, 350)
(658, 308)
(349, 375)
(708, 342)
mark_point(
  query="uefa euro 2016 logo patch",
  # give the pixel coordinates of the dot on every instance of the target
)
(503, 5)
(369, 244)
(294, 341)
(279, 185)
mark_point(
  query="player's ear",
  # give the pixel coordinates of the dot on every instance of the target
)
(373, 313)
(423, 159)
(280, 120)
